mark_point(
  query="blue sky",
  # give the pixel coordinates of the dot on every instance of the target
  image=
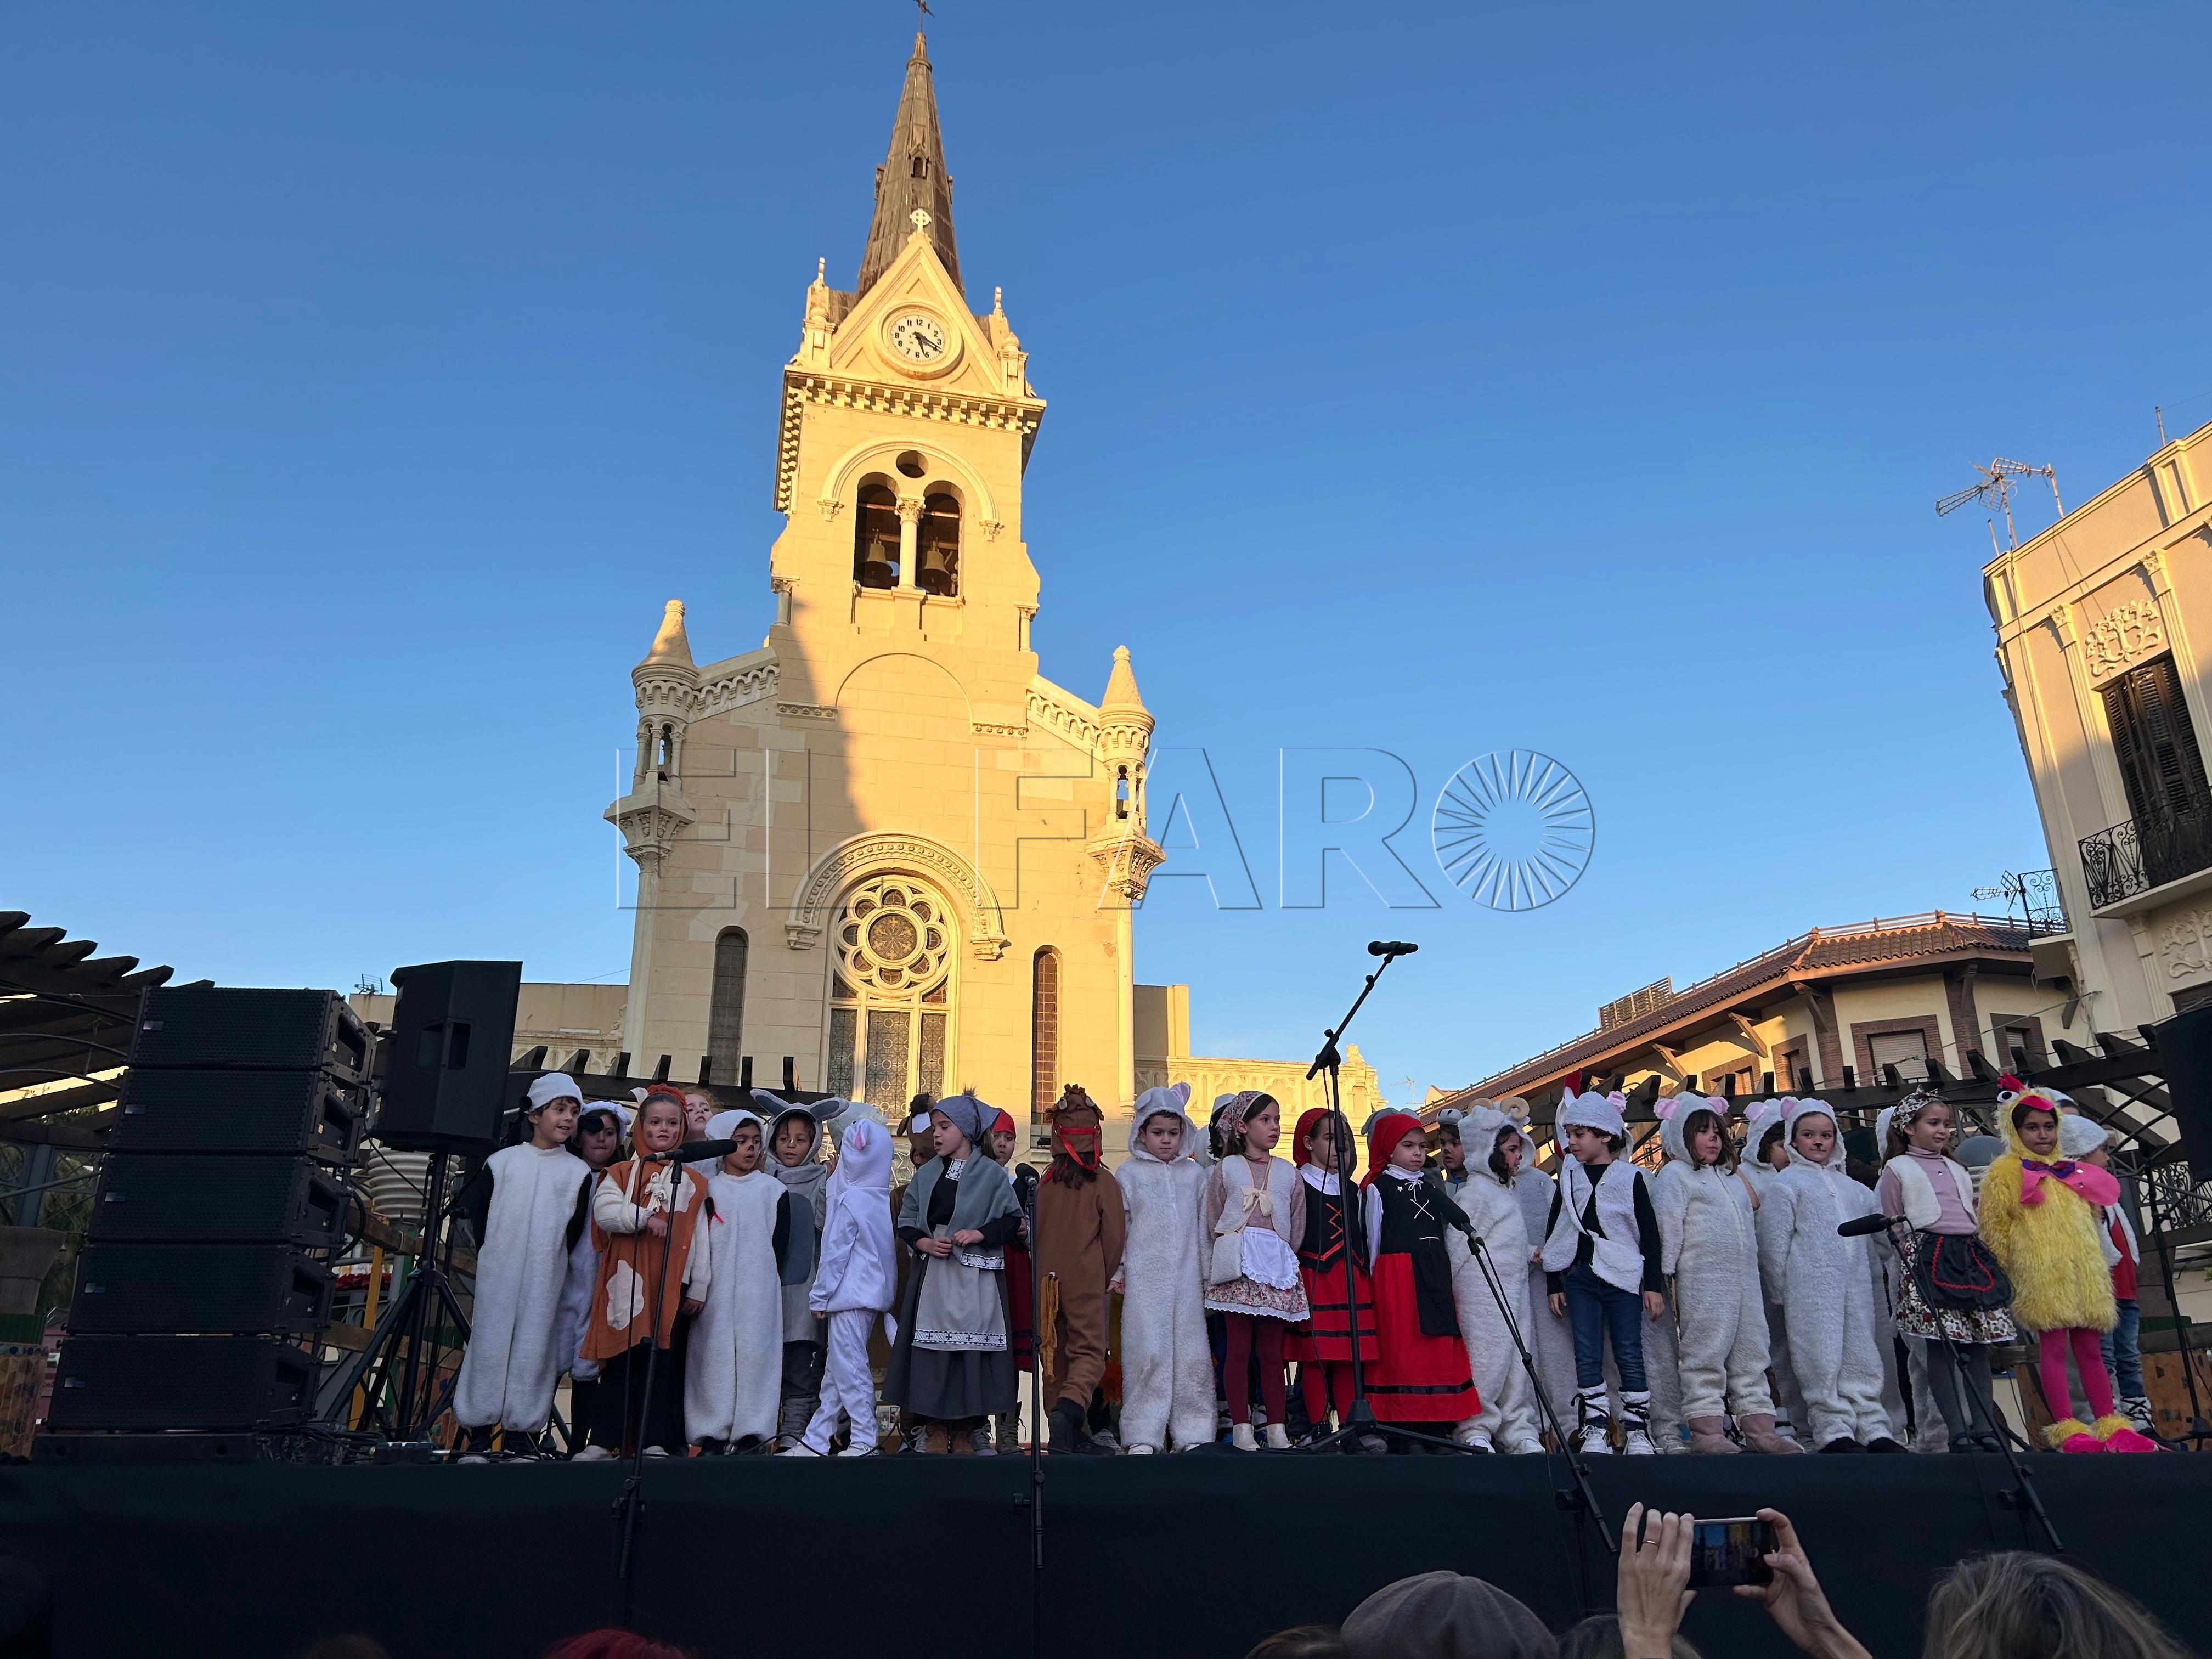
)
(1433, 379)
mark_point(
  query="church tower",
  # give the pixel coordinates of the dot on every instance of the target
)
(882, 843)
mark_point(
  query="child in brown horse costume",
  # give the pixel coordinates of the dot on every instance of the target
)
(1079, 1233)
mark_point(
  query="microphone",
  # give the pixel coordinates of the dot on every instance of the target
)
(1390, 947)
(1870, 1224)
(693, 1151)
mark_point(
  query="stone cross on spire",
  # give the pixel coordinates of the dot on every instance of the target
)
(911, 180)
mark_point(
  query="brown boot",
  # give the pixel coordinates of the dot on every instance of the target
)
(936, 1438)
(1758, 1434)
(1710, 1435)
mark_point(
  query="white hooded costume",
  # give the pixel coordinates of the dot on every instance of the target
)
(733, 1374)
(1825, 1286)
(584, 1266)
(1167, 1370)
(514, 1354)
(856, 1282)
(1509, 1415)
(1550, 1338)
(1709, 1245)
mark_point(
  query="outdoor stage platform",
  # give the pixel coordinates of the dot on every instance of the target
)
(922, 1557)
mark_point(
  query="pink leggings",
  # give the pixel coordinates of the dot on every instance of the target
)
(2051, 1371)
(1247, 1331)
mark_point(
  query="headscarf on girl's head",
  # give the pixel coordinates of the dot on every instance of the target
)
(1384, 1131)
(1001, 1123)
(1076, 1152)
(967, 1114)
(1231, 1111)
(1304, 1133)
(723, 1125)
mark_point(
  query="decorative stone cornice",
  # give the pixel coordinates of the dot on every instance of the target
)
(801, 388)
(1127, 857)
(807, 711)
(991, 729)
(814, 907)
(1064, 712)
(650, 819)
(738, 688)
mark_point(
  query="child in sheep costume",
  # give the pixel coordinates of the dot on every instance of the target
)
(1550, 1339)
(515, 1354)
(732, 1367)
(1824, 1284)
(1490, 1143)
(1167, 1368)
(1709, 1245)
(1760, 1121)
(853, 1284)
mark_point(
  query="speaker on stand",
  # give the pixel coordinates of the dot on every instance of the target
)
(442, 1089)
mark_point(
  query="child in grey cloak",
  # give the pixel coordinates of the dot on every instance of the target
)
(1709, 1245)
(950, 1367)
(1508, 1418)
(514, 1360)
(794, 1159)
(1167, 1368)
(1825, 1284)
(732, 1376)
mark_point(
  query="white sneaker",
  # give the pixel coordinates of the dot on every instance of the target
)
(1279, 1437)
(656, 1451)
(1590, 1441)
(1637, 1444)
(1531, 1447)
(1475, 1440)
(802, 1449)
(593, 1455)
(1240, 1436)
(1142, 1451)
(472, 1457)
(857, 1449)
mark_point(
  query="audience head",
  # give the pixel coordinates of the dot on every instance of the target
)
(612, 1644)
(1444, 1615)
(1303, 1641)
(2019, 1605)
(1599, 1638)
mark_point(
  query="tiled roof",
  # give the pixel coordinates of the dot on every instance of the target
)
(1807, 957)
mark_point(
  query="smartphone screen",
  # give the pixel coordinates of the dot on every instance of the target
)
(1731, 1551)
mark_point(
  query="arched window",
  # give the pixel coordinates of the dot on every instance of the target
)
(726, 1012)
(937, 556)
(1122, 793)
(921, 166)
(876, 537)
(889, 995)
(1044, 1039)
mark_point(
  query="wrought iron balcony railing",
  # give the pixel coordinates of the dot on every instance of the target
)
(2137, 855)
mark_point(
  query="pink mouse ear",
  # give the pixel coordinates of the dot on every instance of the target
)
(1665, 1108)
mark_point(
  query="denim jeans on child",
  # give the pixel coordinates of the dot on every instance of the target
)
(1596, 1309)
(2122, 1351)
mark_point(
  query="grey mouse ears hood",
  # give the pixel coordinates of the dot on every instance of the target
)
(1804, 1108)
(1676, 1111)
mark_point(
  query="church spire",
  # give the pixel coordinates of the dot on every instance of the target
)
(912, 177)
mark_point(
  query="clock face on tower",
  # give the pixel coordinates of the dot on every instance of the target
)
(918, 338)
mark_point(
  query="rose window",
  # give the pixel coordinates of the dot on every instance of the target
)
(893, 936)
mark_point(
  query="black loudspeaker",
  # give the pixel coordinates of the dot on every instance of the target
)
(181, 1383)
(2185, 1059)
(125, 1290)
(224, 1027)
(190, 1198)
(308, 1114)
(445, 1072)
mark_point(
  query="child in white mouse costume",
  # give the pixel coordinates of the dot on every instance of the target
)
(1825, 1284)
(1709, 1245)
(1507, 1420)
(1167, 1368)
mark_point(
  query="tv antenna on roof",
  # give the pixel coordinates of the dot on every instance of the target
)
(1996, 480)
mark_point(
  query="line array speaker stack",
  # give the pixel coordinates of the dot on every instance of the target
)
(204, 1278)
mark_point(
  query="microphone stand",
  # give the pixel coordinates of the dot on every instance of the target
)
(631, 1507)
(1360, 1421)
(1577, 1496)
(2023, 1495)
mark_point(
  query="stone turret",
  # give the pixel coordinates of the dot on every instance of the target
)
(1125, 737)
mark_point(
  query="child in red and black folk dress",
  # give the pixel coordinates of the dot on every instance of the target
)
(1322, 1346)
(1421, 1378)
(1000, 1141)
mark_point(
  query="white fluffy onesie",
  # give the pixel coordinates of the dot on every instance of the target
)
(1825, 1287)
(514, 1356)
(1709, 1245)
(855, 1285)
(1167, 1370)
(1509, 1417)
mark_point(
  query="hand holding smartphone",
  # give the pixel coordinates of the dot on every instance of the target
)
(1732, 1550)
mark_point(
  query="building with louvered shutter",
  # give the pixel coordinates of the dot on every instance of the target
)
(2099, 624)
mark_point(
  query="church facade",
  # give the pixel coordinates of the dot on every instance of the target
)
(881, 843)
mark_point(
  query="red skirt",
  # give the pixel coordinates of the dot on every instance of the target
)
(1327, 1334)
(1416, 1378)
(1021, 1336)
